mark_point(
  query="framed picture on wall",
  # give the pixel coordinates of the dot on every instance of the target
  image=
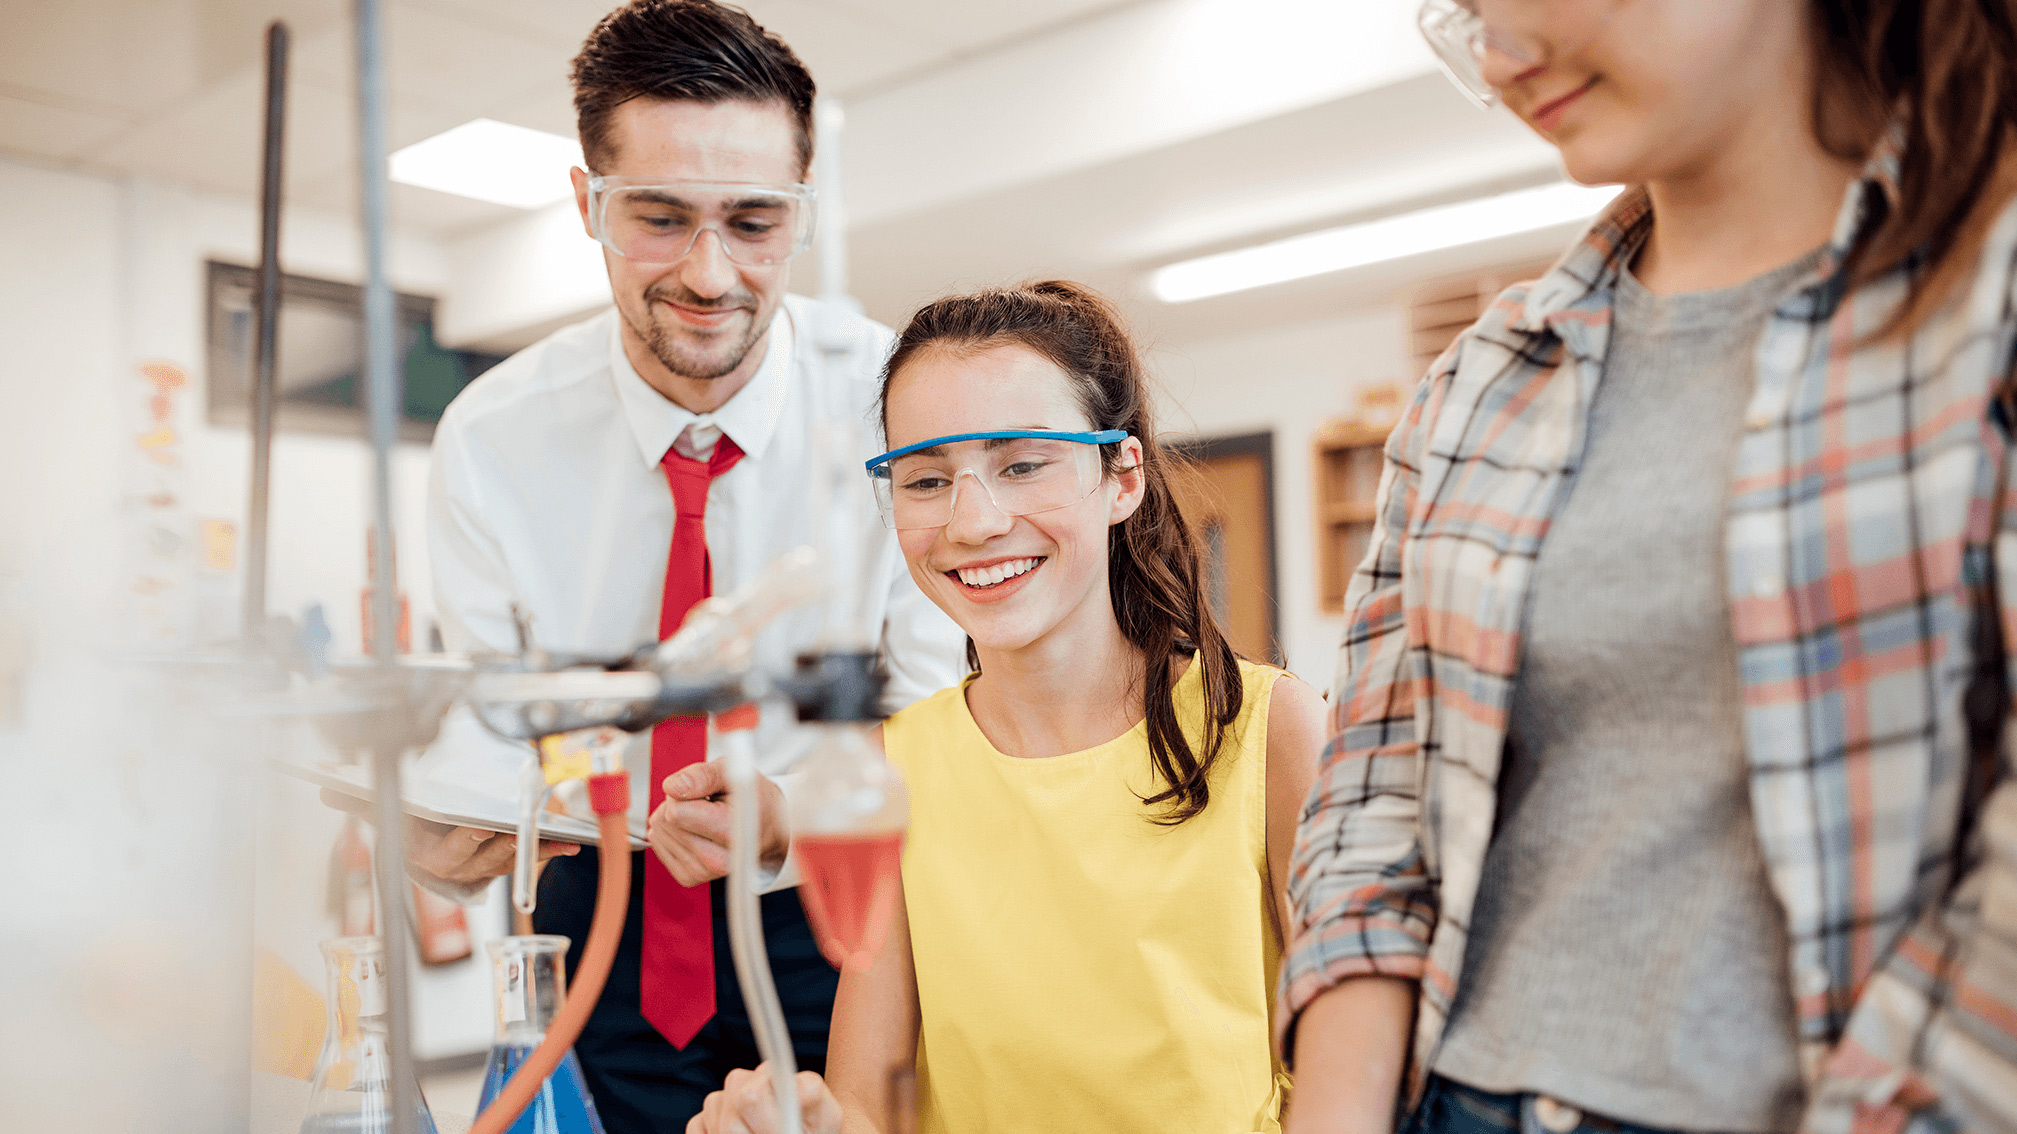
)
(320, 355)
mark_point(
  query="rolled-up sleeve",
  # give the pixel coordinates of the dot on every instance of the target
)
(1362, 901)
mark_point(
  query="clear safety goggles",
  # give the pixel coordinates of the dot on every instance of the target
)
(1021, 471)
(1457, 31)
(659, 222)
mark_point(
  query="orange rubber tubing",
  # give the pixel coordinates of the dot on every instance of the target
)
(612, 902)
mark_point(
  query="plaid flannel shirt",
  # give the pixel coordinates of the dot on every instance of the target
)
(1859, 532)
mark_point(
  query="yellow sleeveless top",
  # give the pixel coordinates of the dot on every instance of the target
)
(1079, 967)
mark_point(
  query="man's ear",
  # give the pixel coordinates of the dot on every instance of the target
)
(1133, 480)
(580, 178)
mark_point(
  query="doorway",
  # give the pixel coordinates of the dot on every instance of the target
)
(1228, 495)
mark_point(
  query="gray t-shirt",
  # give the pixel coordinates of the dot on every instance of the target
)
(1627, 954)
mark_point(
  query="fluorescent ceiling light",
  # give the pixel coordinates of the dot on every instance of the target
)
(1371, 242)
(491, 161)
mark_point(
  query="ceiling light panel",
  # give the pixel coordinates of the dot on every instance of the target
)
(1377, 241)
(491, 161)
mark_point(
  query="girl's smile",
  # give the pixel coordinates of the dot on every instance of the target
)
(994, 579)
(1548, 116)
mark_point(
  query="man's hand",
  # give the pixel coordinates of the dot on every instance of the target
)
(689, 830)
(466, 856)
(747, 1104)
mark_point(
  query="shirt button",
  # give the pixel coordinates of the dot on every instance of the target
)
(1556, 1115)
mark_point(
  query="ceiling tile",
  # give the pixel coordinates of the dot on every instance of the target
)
(53, 132)
(548, 106)
(79, 52)
(211, 141)
(423, 210)
(971, 27)
(844, 50)
(562, 23)
(215, 141)
(440, 60)
(410, 208)
(140, 55)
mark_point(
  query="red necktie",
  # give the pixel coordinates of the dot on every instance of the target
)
(677, 983)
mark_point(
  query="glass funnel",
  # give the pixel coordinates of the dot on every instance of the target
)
(529, 979)
(352, 1091)
(849, 814)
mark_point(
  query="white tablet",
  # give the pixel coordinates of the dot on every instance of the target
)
(439, 802)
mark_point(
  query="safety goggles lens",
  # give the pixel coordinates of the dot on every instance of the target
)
(1457, 34)
(659, 223)
(1532, 30)
(1017, 476)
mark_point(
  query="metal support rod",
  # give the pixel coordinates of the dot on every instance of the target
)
(252, 618)
(745, 931)
(831, 231)
(382, 404)
(388, 862)
(381, 372)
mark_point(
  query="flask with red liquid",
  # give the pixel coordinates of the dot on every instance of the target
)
(848, 818)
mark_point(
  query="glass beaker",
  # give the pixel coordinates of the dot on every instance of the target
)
(529, 979)
(849, 814)
(352, 1091)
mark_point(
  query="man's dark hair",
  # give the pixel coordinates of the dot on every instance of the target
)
(696, 50)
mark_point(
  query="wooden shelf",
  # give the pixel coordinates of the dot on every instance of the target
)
(1351, 512)
(1350, 455)
(1349, 434)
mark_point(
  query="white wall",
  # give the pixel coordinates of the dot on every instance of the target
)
(101, 276)
(320, 512)
(123, 925)
(512, 281)
(1287, 380)
(1134, 79)
(319, 493)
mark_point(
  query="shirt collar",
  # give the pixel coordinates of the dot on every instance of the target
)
(1579, 285)
(749, 418)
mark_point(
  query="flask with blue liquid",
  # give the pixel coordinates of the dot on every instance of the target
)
(529, 979)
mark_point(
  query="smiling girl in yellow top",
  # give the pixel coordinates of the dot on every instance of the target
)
(1101, 814)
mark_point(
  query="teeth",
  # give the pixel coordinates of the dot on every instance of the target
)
(1000, 572)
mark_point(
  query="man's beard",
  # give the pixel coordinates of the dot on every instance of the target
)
(664, 339)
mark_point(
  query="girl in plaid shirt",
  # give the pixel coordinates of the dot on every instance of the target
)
(1666, 787)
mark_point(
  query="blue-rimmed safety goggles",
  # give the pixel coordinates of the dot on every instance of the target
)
(1022, 472)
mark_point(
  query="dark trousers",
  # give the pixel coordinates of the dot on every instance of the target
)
(1450, 1107)
(641, 1083)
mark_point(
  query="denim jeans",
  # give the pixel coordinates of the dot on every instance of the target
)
(1450, 1107)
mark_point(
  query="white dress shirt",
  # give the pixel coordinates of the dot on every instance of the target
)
(547, 493)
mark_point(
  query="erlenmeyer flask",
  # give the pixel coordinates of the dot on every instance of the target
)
(353, 1076)
(527, 975)
(849, 813)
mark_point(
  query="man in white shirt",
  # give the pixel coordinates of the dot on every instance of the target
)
(554, 491)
